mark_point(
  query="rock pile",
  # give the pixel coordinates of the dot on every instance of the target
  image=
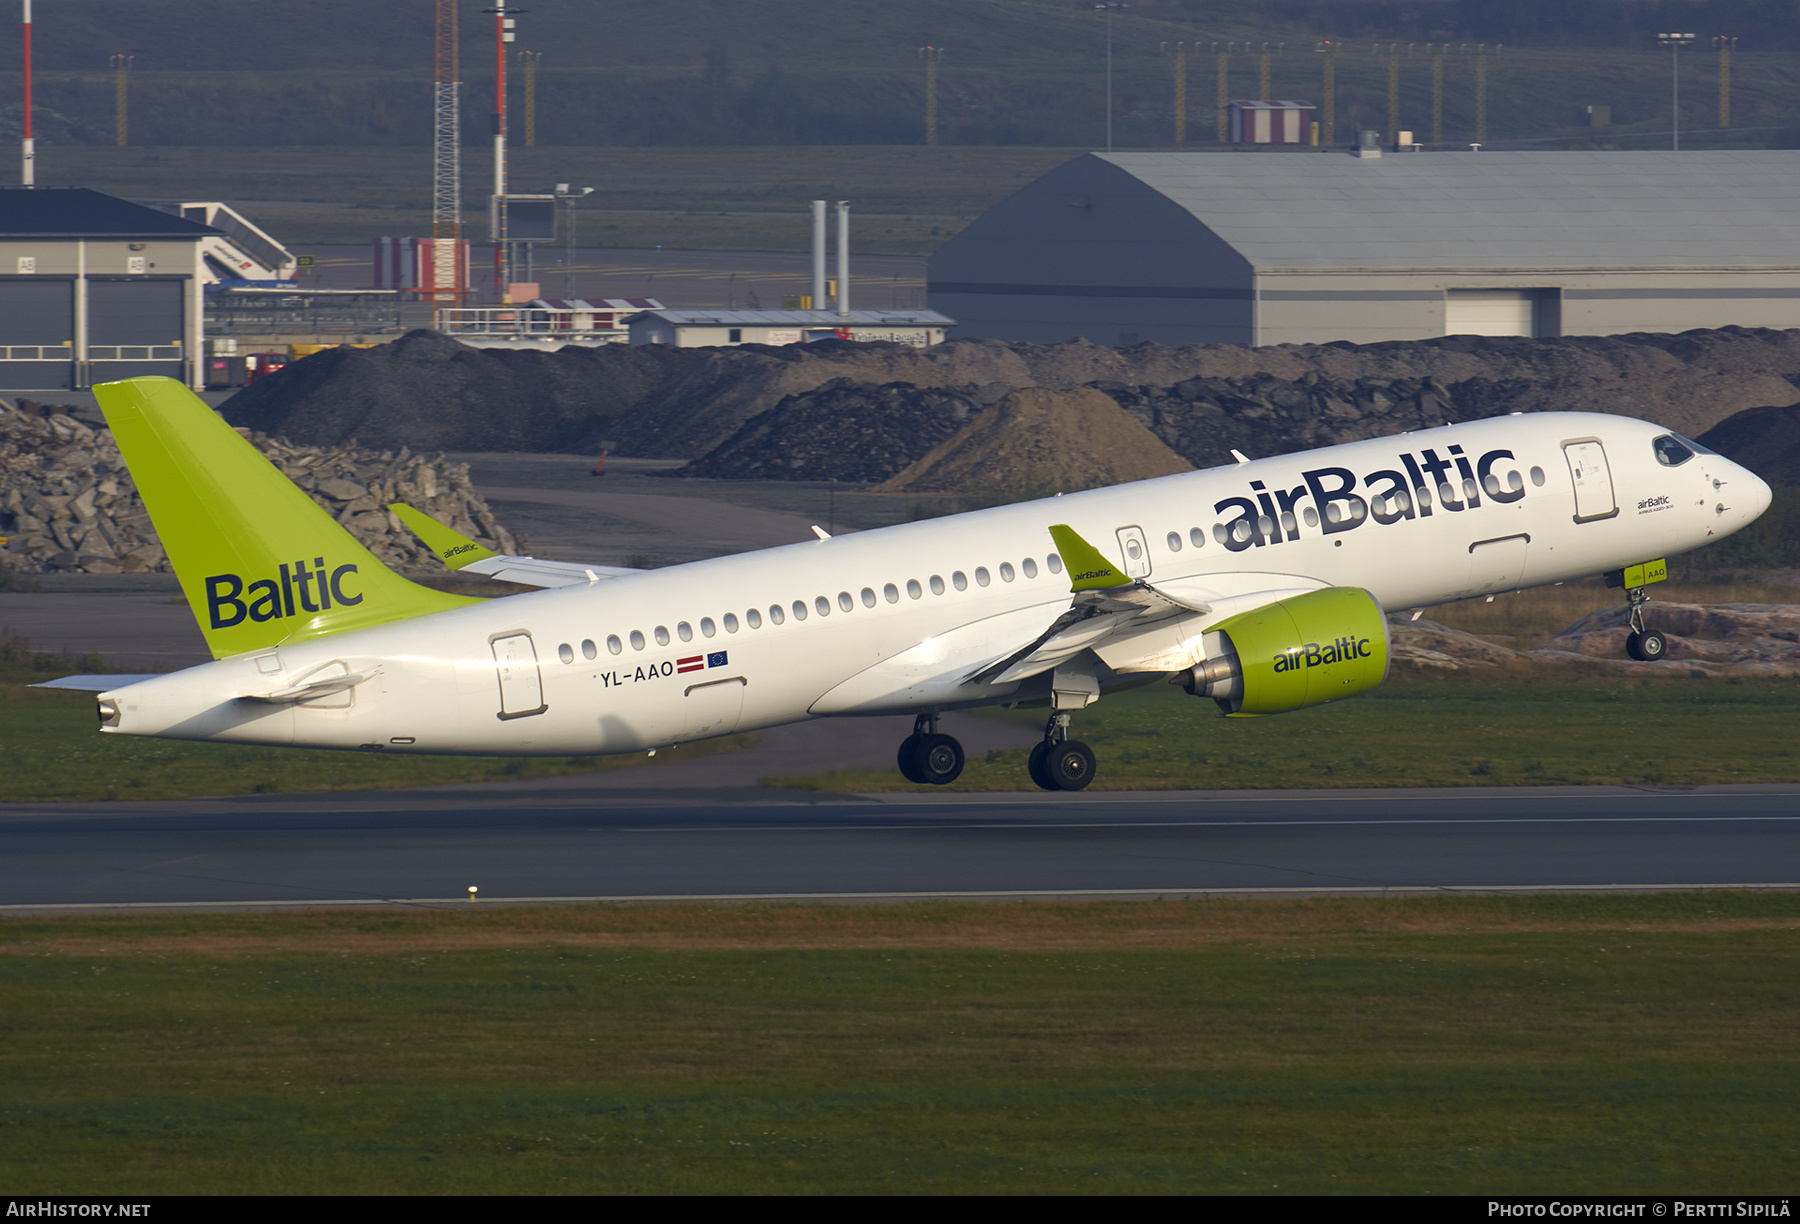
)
(844, 430)
(1037, 441)
(1714, 639)
(67, 502)
(659, 401)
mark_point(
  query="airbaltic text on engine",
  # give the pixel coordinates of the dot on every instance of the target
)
(1309, 655)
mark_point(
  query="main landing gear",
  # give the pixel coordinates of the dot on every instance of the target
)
(1060, 763)
(1644, 645)
(929, 758)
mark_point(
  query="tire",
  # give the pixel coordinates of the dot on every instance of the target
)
(1070, 765)
(912, 768)
(1647, 647)
(1034, 765)
(940, 759)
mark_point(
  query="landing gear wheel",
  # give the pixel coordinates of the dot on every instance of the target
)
(1070, 765)
(940, 759)
(1647, 646)
(911, 767)
(1034, 765)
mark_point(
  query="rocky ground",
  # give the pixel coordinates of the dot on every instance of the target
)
(757, 409)
(67, 503)
(1712, 639)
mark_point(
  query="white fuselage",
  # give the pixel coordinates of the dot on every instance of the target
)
(515, 676)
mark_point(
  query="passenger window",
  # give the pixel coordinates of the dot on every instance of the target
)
(754, 617)
(731, 622)
(937, 585)
(868, 597)
(1196, 537)
(566, 653)
(775, 614)
(588, 650)
(662, 636)
(822, 606)
(684, 631)
(614, 645)
(1030, 567)
(981, 576)
(1055, 563)
(891, 593)
(846, 601)
(637, 639)
(913, 589)
(1006, 571)
(1174, 541)
(707, 628)
(959, 581)
(799, 606)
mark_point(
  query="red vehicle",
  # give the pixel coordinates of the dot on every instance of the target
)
(261, 365)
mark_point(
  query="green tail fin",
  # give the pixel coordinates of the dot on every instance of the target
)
(259, 561)
(453, 548)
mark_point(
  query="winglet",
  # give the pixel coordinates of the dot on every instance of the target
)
(453, 548)
(1088, 569)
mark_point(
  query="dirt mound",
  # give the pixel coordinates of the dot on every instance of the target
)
(1765, 440)
(1201, 400)
(1040, 441)
(843, 431)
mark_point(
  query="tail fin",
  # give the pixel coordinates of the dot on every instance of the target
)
(260, 562)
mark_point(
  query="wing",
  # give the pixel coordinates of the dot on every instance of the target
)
(461, 553)
(96, 684)
(1131, 625)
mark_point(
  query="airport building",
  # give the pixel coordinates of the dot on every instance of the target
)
(1303, 247)
(701, 328)
(94, 288)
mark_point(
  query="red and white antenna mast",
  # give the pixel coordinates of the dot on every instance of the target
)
(27, 175)
(446, 159)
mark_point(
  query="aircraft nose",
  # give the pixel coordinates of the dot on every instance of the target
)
(1754, 494)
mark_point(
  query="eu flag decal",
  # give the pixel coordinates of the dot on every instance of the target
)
(716, 659)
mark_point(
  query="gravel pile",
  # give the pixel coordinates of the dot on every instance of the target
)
(67, 503)
(1201, 400)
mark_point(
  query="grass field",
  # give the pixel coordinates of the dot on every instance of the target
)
(1437, 1045)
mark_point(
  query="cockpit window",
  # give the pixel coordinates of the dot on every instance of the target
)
(1671, 451)
(1695, 446)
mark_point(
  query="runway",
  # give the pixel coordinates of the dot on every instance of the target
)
(522, 842)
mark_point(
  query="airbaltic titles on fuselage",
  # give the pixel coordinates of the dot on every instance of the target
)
(1453, 483)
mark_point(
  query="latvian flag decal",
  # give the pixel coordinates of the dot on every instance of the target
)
(695, 663)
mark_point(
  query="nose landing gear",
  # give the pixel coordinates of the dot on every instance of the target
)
(1060, 763)
(928, 758)
(1643, 644)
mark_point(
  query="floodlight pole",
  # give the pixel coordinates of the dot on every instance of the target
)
(27, 171)
(1675, 42)
(1108, 8)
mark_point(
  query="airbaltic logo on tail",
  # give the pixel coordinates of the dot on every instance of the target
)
(229, 602)
(1310, 655)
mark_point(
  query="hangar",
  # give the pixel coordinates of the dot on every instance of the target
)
(1301, 247)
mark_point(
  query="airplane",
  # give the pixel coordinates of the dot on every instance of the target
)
(1264, 586)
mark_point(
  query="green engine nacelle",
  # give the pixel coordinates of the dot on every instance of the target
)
(1300, 652)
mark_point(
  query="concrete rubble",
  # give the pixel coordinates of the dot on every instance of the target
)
(67, 503)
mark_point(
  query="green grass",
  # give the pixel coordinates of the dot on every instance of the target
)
(1556, 730)
(1444, 1045)
(55, 753)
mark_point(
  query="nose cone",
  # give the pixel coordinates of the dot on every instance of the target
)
(1753, 494)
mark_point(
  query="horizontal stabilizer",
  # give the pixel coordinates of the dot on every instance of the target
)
(459, 552)
(97, 684)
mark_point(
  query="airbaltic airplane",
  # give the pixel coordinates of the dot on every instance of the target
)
(1263, 586)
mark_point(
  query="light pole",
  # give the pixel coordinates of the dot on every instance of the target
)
(1675, 42)
(569, 195)
(1108, 8)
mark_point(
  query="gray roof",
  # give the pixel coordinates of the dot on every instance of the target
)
(799, 318)
(1488, 210)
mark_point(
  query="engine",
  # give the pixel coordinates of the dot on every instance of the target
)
(1299, 652)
